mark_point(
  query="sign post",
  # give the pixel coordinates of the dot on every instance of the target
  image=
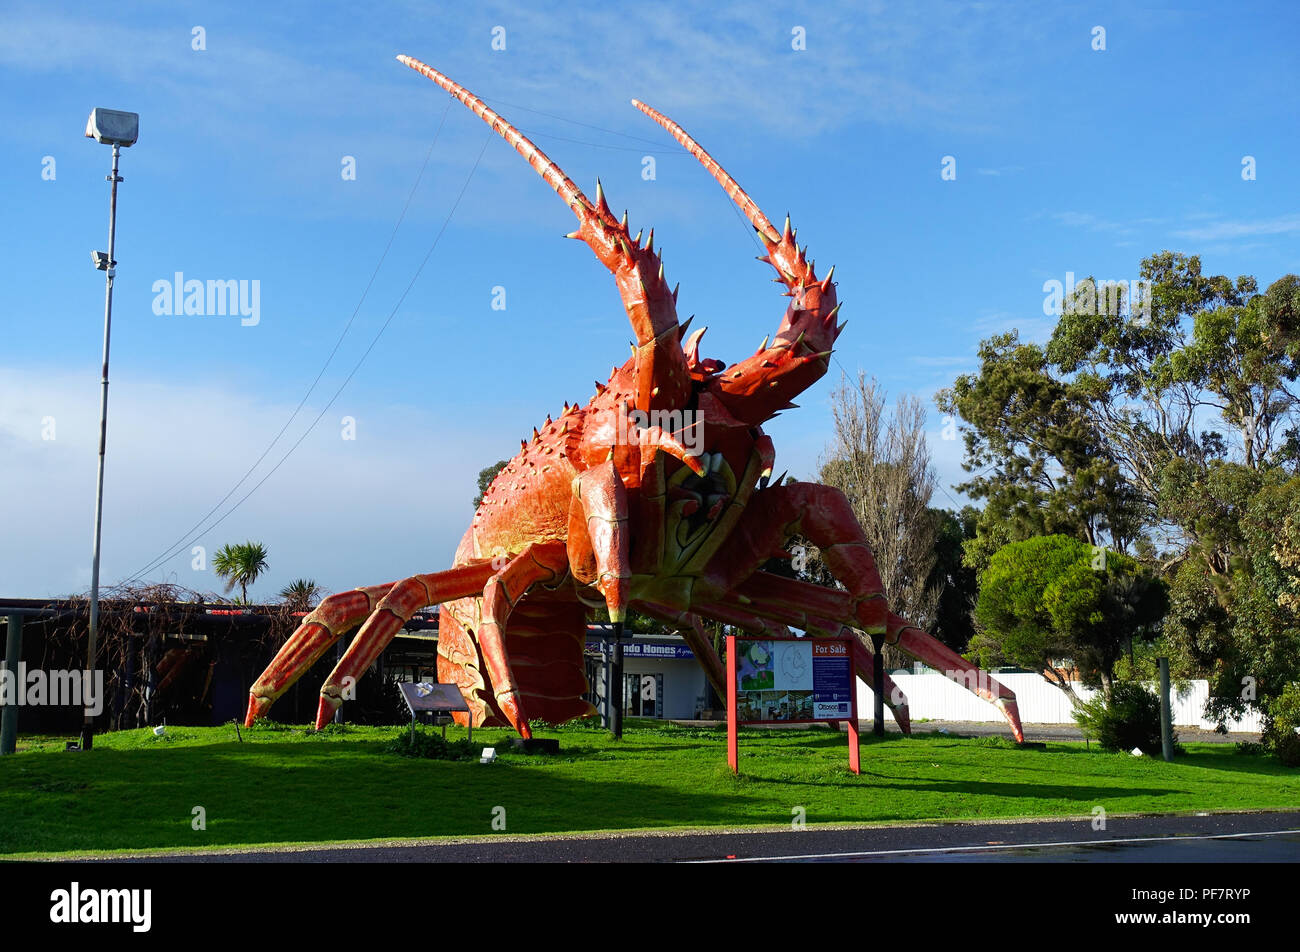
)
(855, 758)
(790, 681)
(733, 726)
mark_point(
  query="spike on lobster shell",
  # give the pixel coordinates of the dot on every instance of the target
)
(692, 347)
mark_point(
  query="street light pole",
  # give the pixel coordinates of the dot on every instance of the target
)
(88, 727)
(118, 129)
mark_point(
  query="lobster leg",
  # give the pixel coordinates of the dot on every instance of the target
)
(539, 562)
(394, 610)
(332, 618)
(737, 616)
(939, 656)
(691, 628)
(895, 699)
(598, 536)
(647, 552)
(823, 515)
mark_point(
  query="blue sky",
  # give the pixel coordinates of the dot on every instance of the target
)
(1068, 159)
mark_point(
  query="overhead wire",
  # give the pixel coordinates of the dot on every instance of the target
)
(190, 537)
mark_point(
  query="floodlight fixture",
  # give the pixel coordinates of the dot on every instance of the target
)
(113, 127)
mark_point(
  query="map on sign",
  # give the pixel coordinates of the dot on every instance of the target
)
(793, 680)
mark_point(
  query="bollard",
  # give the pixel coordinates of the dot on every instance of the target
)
(1166, 725)
(9, 713)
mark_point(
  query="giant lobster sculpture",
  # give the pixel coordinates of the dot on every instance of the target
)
(610, 504)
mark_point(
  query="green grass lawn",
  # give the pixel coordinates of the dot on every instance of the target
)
(280, 784)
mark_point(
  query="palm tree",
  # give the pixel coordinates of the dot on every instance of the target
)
(300, 594)
(240, 565)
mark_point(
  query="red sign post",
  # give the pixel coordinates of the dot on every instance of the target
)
(798, 686)
(733, 738)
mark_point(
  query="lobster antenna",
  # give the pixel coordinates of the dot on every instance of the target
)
(551, 173)
(730, 185)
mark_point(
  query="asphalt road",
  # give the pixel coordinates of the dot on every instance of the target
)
(1227, 838)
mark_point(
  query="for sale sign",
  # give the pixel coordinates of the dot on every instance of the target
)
(832, 666)
(791, 680)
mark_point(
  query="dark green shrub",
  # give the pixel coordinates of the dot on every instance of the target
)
(431, 746)
(1287, 749)
(1283, 721)
(1128, 718)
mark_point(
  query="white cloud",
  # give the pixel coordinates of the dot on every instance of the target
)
(1094, 222)
(1284, 225)
(956, 360)
(392, 503)
(1032, 329)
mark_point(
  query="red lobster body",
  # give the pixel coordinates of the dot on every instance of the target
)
(652, 496)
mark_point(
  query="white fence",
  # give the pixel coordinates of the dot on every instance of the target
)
(936, 698)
